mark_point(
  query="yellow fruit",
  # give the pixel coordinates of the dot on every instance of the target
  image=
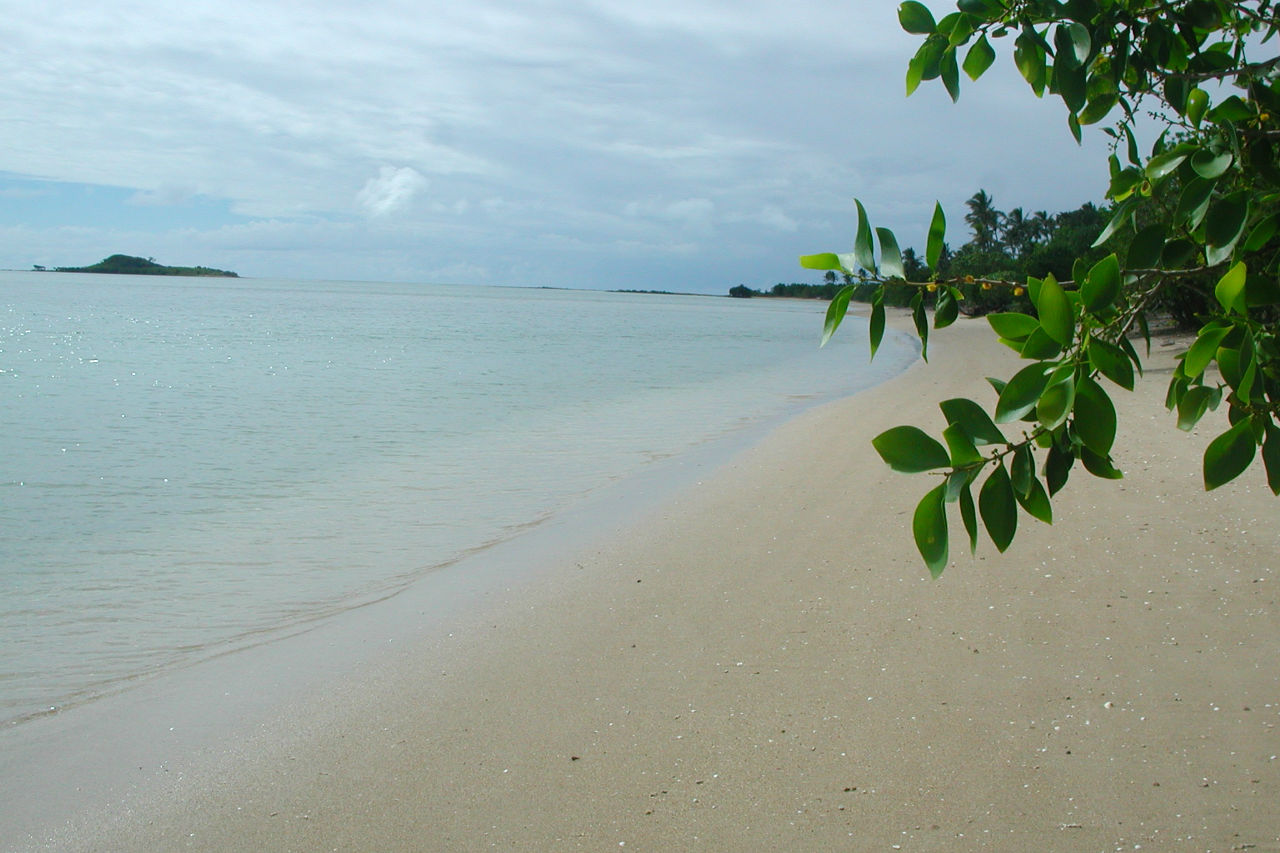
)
(1018, 291)
(931, 287)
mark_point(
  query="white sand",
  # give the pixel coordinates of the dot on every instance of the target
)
(763, 664)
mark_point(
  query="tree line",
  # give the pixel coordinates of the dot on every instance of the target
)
(1002, 245)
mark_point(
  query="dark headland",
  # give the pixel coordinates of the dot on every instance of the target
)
(129, 265)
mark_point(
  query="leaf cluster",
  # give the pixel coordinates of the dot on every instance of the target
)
(1199, 214)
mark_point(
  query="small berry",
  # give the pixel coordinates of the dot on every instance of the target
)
(1018, 291)
(932, 287)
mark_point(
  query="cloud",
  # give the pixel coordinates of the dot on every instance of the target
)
(554, 137)
(771, 217)
(692, 211)
(163, 197)
(391, 191)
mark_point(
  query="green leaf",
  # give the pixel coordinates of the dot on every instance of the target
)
(1112, 362)
(921, 321)
(937, 234)
(916, 18)
(1055, 403)
(955, 483)
(1029, 56)
(1040, 346)
(1013, 325)
(1193, 405)
(1204, 348)
(1132, 147)
(987, 9)
(1178, 253)
(1231, 111)
(1262, 233)
(1271, 457)
(1095, 416)
(1021, 393)
(1099, 466)
(1229, 290)
(824, 261)
(1228, 455)
(915, 71)
(950, 73)
(946, 309)
(1163, 165)
(1193, 203)
(1097, 107)
(1055, 311)
(1101, 288)
(1022, 470)
(1057, 467)
(979, 58)
(969, 516)
(959, 28)
(999, 507)
(875, 328)
(1072, 43)
(836, 312)
(929, 526)
(1209, 165)
(961, 447)
(1122, 216)
(1225, 225)
(890, 257)
(863, 251)
(1176, 90)
(910, 450)
(1069, 83)
(1144, 251)
(973, 419)
(1036, 502)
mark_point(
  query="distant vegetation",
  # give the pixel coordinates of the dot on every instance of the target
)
(1003, 245)
(129, 265)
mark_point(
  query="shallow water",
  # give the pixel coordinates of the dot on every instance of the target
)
(191, 464)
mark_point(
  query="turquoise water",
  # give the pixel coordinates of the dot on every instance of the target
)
(191, 464)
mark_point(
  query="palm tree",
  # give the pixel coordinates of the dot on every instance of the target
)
(1043, 224)
(984, 219)
(1018, 233)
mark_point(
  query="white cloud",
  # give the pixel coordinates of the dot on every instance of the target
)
(604, 124)
(391, 191)
(693, 211)
(162, 197)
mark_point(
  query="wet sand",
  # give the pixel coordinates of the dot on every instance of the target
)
(761, 662)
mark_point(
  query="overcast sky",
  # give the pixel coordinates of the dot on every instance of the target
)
(653, 144)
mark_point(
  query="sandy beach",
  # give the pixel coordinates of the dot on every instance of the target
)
(762, 662)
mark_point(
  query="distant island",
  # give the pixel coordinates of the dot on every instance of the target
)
(129, 265)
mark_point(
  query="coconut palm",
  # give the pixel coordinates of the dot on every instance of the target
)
(984, 219)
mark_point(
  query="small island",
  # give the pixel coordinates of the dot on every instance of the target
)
(129, 265)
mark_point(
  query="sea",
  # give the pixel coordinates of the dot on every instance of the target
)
(188, 465)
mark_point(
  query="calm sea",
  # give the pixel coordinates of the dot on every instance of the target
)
(190, 464)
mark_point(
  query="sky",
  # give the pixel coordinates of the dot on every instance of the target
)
(687, 145)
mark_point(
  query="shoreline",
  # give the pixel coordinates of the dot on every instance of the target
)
(761, 660)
